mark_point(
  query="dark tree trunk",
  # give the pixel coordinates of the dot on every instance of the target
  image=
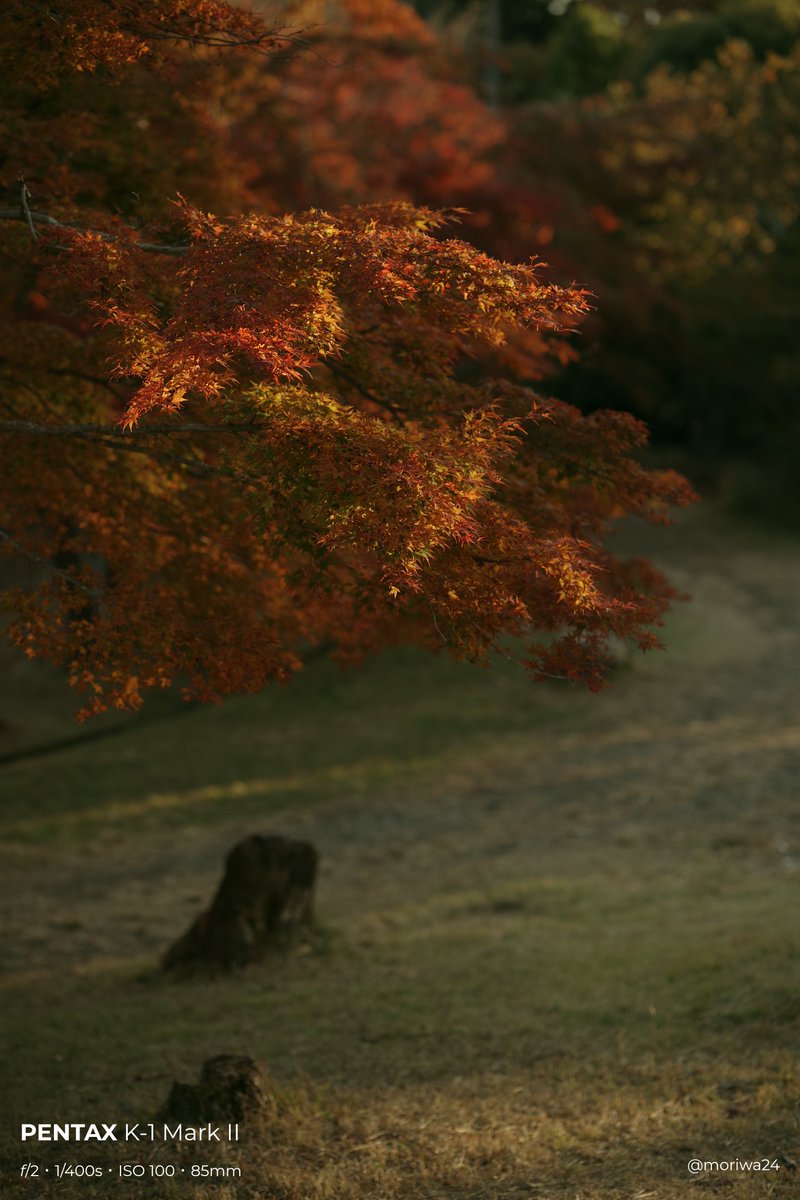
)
(267, 893)
(493, 35)
(231, 1088)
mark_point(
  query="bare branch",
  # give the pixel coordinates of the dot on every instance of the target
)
(32, 218)
(264, 41)
(338, 371)
(71, 373)
(111, 437)
(45, 562)
(26, 212)
(20, 426)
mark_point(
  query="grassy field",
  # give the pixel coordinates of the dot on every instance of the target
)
(558, 938)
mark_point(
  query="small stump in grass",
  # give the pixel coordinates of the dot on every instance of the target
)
(266, 895)
(231, 1089)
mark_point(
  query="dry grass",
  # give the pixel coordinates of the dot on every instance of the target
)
(559, 947)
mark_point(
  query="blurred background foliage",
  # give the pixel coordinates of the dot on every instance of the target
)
(653, 153)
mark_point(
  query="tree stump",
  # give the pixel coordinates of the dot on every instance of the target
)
(266, 894)
(231, 1088)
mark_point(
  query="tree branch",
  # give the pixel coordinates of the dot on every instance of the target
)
(70, 373)
(20, 426)
(338, 371)
(31, 217)
(45, 562)
(111, 437)
(26, 212)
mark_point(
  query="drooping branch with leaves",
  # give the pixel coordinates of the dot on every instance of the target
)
(228, 439)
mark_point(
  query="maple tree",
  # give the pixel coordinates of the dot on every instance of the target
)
(229, 438)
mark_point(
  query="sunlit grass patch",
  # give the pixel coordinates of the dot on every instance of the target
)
(585, 1032)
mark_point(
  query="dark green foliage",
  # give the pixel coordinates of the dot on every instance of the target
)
(768, 26)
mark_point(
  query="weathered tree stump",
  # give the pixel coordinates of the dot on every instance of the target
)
(231, 1088)
(266, 894)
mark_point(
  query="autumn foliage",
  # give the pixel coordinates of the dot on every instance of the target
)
(244, 414)
(677, 201)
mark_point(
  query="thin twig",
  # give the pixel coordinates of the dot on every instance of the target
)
(26, 212)
(45, 562)
(70, 373)
(337, 370)
(436, 624)
(194, 465)
(32, 217)
(20, 426)
(111, 438)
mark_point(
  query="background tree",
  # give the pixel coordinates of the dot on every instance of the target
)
(651, 152)
(680, 199)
